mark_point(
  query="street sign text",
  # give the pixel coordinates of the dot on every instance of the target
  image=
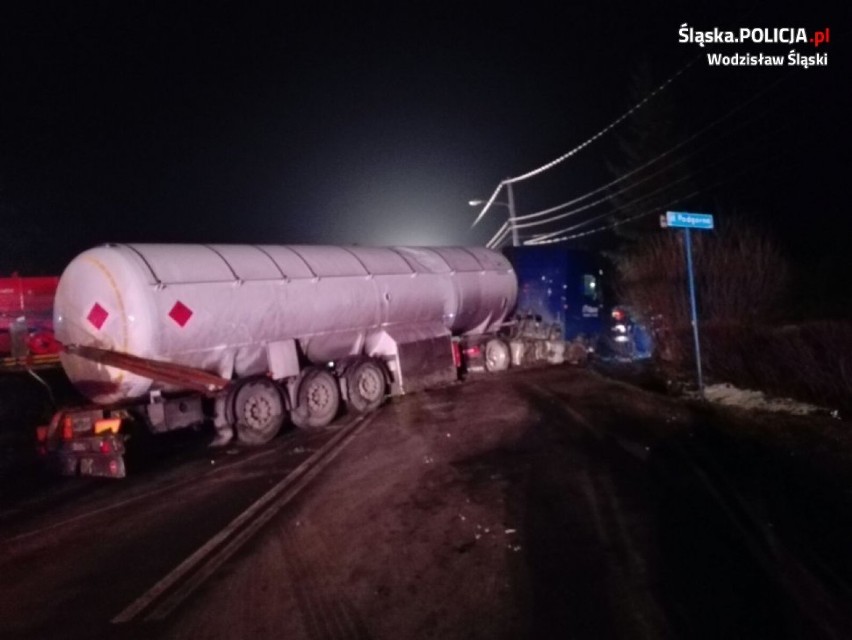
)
(685, 220)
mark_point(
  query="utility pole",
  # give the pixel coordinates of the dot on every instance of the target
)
(511, 203)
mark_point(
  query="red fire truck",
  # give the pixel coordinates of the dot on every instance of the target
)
(26, 320)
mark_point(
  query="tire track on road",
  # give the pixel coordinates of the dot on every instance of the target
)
(790, 573)
(165, 596)
(327, 614)
(625, 566)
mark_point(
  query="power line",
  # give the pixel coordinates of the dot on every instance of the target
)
(603, 131)
(662, 189)
(542, 237)
(503, 232)
(632, 172)
(585, 143)
(488, 204)
(588, 206)
(498, 237)
(647, 212)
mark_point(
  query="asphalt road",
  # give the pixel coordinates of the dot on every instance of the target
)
(539, 503)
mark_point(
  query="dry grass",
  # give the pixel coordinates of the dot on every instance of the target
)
(810, 361)
(740, 274)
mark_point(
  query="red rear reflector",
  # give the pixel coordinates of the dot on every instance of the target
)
(456, 355)
(472, 351)
(41, 434)
(67, 428)
(106, 447)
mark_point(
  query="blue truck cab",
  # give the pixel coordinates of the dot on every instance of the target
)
(562, 287)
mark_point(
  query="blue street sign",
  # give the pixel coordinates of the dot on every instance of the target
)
(688, 221)
(685, 220)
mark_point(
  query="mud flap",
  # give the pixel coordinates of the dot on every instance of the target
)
(418, 356)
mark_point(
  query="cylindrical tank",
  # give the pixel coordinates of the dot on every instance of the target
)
(217, 307)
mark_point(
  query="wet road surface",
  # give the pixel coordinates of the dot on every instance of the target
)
(540, 503)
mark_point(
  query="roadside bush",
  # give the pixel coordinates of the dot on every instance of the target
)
(741, 282)
(740, 276)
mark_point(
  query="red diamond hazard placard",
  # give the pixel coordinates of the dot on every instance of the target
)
(97, 316)
(180, 313)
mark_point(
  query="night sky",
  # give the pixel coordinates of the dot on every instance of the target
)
(375, 124)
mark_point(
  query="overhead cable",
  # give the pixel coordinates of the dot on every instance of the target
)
(603, 131)
(584, 144)
(540, 239)
(632, 172)
(487, 204)
(498, 237)
(655, 209)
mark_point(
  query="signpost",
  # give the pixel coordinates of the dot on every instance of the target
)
(687, 222)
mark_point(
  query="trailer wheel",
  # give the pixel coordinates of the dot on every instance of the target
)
(318, 399)
(258, 411)
(366, 384)
(497, 355)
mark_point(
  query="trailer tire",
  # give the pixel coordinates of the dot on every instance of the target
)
(497, 355)
(317, 399)
(258, 411)
(366, 385)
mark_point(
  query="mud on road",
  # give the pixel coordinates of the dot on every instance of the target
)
(549, 503)
(536, 504)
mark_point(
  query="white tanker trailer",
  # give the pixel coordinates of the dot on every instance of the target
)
(249, 335)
